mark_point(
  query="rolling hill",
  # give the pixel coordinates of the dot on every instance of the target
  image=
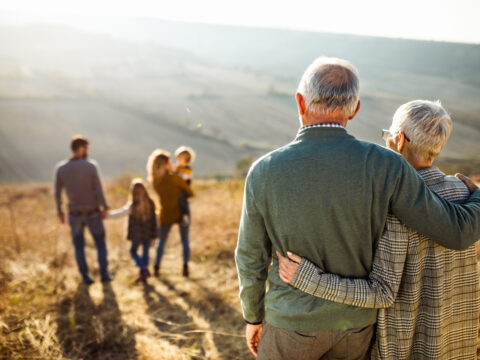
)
(136, 84)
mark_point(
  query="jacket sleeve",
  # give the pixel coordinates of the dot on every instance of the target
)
(253, 256)
(451, 225)
(381, 287)
(185, 187)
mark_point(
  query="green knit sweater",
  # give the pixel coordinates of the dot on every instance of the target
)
(325, 196)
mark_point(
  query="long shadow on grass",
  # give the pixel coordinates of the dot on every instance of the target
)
(172, 321)
(226, 322)
(86, 331)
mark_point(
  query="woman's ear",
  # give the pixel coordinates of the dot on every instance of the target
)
(401, 142)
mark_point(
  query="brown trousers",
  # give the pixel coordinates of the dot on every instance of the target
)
(280, 344)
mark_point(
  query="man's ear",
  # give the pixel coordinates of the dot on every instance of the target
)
(356, 111)
(300, 104)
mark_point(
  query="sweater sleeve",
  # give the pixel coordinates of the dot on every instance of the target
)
(58, 187)
(97, 188)
(381, 287)
(253, 256)
(451, 225)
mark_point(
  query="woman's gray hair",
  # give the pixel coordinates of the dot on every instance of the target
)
(426, 123)
(330, 84)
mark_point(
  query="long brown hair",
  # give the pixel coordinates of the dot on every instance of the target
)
(140, 201)
(157, 165)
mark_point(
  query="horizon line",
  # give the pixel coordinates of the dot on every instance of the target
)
(49, 20)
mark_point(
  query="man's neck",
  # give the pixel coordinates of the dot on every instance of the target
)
(324, 119)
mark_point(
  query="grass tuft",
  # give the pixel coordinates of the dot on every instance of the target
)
(47, 313)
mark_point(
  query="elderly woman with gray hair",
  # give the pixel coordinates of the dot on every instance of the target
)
(428, 295)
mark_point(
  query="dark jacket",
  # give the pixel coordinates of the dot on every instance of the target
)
(141, 231)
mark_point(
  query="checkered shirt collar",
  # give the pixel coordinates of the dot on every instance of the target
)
(323, 125)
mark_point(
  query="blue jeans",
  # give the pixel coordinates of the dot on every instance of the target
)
(184, 205)
(163, 235)
(142, 262)
(95, 225)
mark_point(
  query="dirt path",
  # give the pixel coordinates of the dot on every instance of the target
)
(176, 317)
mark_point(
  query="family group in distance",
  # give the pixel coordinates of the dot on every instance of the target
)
(87, 207)
(368, 251)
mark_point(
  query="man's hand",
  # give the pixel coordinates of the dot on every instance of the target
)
(253, 334)
(61, 218)
(104, 213)
(288, 266)
(468, 182)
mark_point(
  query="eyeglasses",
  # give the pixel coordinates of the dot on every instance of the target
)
(386, 134)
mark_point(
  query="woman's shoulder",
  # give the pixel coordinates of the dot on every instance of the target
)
(177, 178)
(168, 176)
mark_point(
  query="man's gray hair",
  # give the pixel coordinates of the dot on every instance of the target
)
(330, 84)
(426, 123)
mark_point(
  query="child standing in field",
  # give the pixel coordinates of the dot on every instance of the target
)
(185, 157)
(142, 225)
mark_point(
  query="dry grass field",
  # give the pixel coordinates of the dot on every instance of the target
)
(47, 313)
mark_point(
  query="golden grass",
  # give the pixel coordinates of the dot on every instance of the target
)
(47, 313)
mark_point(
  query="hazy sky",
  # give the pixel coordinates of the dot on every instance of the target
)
(449, 20)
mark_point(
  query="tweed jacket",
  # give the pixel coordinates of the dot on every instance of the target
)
(428, 295)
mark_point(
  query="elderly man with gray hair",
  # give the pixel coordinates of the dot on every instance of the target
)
(429, 295)
(326, 196)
